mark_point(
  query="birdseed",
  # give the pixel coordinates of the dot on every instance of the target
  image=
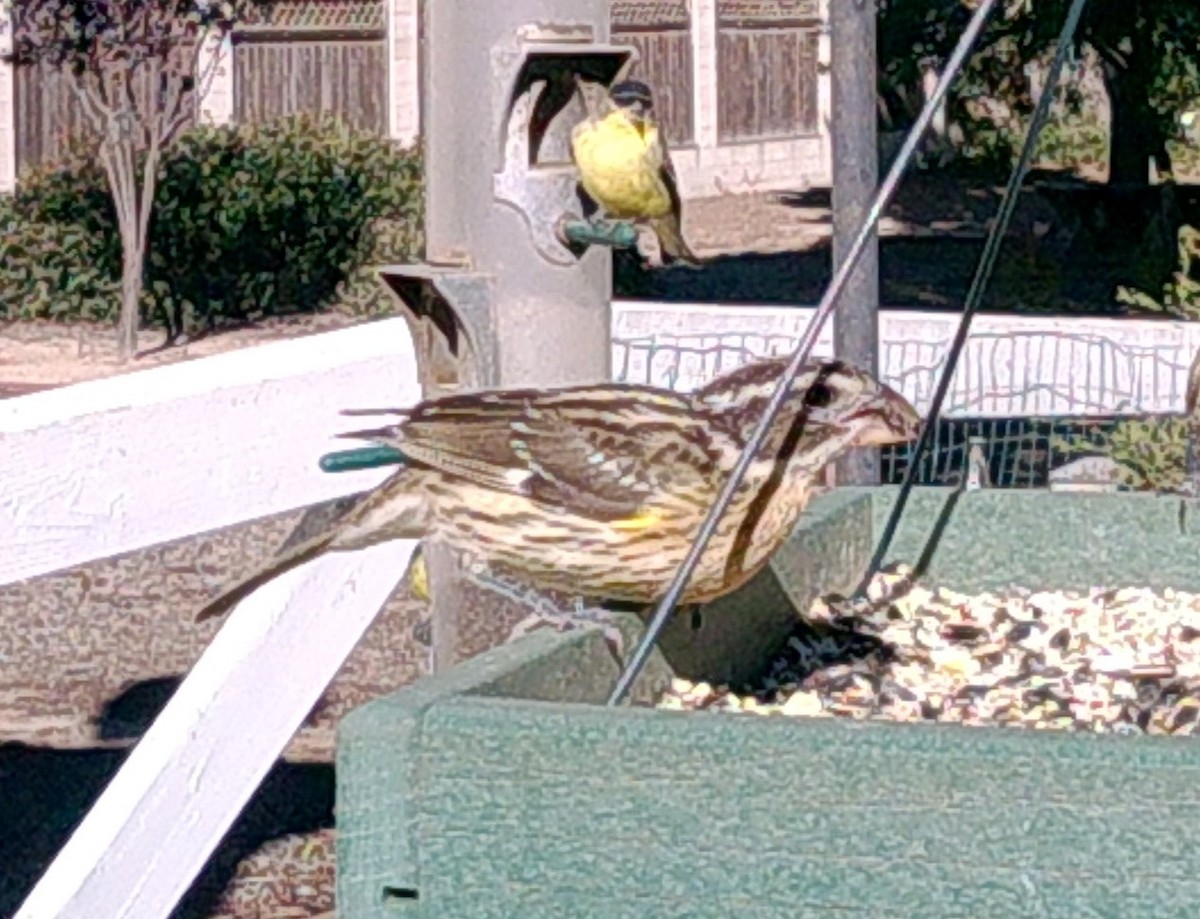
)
(1106, 661)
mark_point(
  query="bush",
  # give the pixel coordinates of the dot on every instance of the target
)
(1151, 454)
(49, 270)
(54, 242)
(270, 219)
(1180, 295)
(249, 221)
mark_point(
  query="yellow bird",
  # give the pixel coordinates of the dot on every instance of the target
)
(624, 165)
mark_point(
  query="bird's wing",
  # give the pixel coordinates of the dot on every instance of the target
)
(611, 466)
(466, 436)
(1192, 400)
(564, 449)
(667, 172)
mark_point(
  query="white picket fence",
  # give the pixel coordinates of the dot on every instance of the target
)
(1013, 366)
(122, 464)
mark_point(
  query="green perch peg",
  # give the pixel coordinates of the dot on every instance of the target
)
(361, 458)
(617, 234)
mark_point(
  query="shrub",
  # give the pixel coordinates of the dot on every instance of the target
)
(54, 236)
(1180, 295)
(249, 221)
(50, 270)
(273, 218)
(1151, 453)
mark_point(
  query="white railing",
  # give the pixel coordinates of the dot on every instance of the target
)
(122, 464)
(1013, 366)
(101, 468)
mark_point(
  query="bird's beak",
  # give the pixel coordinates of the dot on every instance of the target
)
(890, 418)
(637, 115)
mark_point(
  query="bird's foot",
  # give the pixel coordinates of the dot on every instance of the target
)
(581, 616)
(546, 613)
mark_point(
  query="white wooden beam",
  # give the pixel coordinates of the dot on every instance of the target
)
(403, 41)
(120, 464)
(216, 103)
(825, 91)
(156, 824)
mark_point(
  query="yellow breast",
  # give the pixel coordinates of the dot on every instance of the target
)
(619, 167)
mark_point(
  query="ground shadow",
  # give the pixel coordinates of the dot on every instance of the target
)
(1070, 246)
(915, 273)
(127, 715)
(47, 792)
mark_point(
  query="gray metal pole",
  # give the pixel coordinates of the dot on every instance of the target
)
(855, 176)
(500, 301)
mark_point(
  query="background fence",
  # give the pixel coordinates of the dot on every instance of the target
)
(318, 59)
(661, 32)
(767, 68)
(738, 83)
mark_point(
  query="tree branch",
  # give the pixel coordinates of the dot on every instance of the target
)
(88, 94)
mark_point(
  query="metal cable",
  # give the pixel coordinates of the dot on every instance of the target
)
(667, 605)
(983, 273)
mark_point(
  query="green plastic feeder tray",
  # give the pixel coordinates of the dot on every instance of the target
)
(504, 787)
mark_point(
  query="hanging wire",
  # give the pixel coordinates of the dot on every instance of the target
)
(983, 274)
(884, 194)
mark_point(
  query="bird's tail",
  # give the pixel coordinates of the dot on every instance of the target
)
(289, 558)
(671, 244)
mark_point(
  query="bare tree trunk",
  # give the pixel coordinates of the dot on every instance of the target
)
(116, 160)
(142, 230)
(1129, 68)
(131, 296)
(1136, 135)
(133, 200)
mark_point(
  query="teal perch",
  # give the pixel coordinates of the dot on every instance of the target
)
(617, 234)
(361, 458)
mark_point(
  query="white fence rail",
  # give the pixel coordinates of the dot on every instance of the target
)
(122, 464)
(98, 469)
(161, 817)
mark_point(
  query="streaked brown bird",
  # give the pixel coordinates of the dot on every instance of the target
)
(598, 491)
(1191, 408)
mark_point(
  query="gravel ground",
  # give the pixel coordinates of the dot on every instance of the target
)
(1107, 661)
(88, 655)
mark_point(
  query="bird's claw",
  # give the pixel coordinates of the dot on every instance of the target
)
(562, 621)
(546, 613)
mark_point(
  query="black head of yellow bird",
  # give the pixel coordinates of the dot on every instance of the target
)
(598, 491)
(625, 167)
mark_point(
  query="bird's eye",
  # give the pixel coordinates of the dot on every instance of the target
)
(819, 395)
